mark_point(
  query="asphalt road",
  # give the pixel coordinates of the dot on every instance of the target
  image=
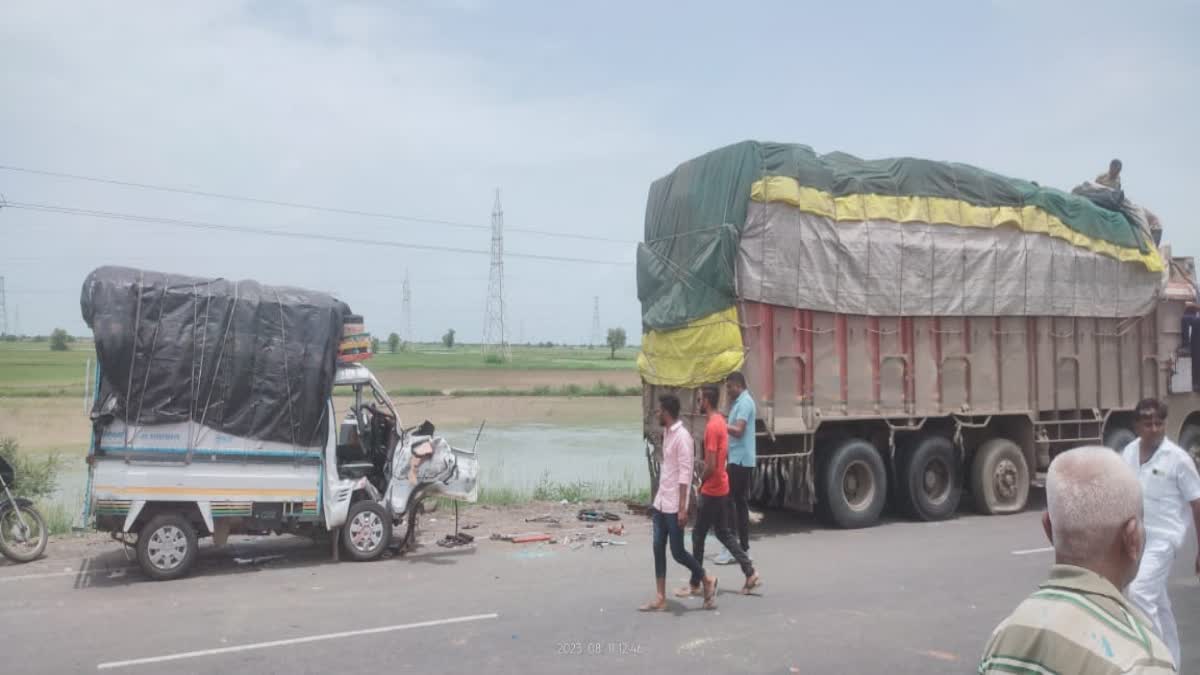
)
(899, 598)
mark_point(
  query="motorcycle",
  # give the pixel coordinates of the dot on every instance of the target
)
(22, 529)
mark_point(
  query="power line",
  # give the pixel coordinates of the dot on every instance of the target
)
(300, 205)
(200, 225)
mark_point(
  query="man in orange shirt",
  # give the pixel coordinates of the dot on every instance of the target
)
(713, 509)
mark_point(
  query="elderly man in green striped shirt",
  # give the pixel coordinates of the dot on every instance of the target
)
(1078, 621)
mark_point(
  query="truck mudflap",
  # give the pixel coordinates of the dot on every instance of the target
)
(430, 466)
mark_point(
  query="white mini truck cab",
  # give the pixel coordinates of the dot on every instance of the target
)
(159, 488)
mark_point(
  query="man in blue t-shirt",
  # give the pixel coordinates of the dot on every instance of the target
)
(741, 459)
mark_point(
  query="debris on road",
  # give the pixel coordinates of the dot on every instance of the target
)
(601, 543)
(456, 540)
(638, 509)
(526, 538)
(258, 560)
(616, 530)
(545, 518)
(592, 516)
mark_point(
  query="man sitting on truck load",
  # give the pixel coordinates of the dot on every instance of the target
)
(713, 509)
(1171, 487)
(1111, 178)
(742, 458)
(1078, 622)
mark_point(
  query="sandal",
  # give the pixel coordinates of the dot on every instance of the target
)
(751, 584)
(711, 596)
(688, 591)
(654, 607)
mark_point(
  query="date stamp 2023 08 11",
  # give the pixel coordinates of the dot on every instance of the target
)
(598, 649)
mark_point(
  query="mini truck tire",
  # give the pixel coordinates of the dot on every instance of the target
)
(167, 547)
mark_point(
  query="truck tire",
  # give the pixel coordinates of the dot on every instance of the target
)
(1189, 440)
(1118, 437)
(367, 532)
(930, 478)
(999, 478)
(855, 485)
(166, 547)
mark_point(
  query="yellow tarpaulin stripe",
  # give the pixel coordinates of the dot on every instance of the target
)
(915, 209)
(704, 351)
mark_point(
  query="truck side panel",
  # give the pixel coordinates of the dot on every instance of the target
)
(810, 367)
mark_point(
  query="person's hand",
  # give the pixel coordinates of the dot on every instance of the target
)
(683, 518)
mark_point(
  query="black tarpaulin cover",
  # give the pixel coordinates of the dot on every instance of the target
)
(243, 358)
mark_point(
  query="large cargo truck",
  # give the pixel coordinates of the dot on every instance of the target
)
(911, 331)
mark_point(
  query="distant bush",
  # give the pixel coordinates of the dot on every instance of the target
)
(59, 340)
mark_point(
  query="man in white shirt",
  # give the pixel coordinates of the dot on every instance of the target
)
(1171, 492)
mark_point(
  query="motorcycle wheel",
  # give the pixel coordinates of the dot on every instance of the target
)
(22, 541)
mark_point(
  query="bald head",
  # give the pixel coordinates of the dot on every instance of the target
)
(1094, 501)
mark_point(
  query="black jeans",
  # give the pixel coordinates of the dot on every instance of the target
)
(714, 512)
(739, 495)
(666, 526)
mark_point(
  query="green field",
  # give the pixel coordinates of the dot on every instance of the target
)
(31, 370)
(523, 358)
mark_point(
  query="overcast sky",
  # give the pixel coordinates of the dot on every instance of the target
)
(571, 109)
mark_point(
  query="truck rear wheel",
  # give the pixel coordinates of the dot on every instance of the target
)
(854, 485)
(999, 477)
(166, 547)
(930, 479)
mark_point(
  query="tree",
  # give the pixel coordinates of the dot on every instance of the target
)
(448, 339)
(58, 340)
(616, 340)
(393, 342)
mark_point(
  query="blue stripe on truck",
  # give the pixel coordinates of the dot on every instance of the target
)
(219, 452)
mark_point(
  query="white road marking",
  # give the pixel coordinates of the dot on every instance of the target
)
(292, 641)
(1045, 549)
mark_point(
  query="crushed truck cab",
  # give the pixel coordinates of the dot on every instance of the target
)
(314, 445)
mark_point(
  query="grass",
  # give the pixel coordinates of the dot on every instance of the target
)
(524, 357)
(59, 516)
(551, 491)
(568, 391)
(31, 370)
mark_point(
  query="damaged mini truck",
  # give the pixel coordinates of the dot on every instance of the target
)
(216, 412)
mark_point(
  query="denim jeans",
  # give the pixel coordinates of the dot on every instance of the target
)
(666, 527)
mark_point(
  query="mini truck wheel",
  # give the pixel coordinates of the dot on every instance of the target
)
(166, 547)
(999, 478)
(855, 484)
(367, 532)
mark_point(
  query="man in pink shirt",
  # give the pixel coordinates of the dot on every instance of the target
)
(670, 509)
